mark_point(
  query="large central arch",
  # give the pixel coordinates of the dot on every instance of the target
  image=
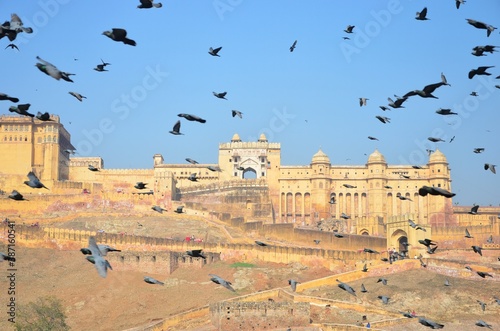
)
(249, 173)
(398, 237)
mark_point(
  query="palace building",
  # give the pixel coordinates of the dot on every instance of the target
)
(298, 193)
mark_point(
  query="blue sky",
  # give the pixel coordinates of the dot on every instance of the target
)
(306, 100)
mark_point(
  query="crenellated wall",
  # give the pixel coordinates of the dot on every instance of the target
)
(229, 315)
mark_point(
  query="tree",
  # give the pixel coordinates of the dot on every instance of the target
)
(47, 313)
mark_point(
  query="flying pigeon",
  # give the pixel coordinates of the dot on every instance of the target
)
(176, 129)
(383, 119)
(432, 190)
(362, 101)
(401, 197)
(442, 111)
(50, 69)
(346, 287)
(78, 96)
(349, 29)
(483, 324)
(363, 289)
(338, 235)
(481, 25)
(293, 46)
(416, 226)
(43, 117)
(422, 263)
(237, 113)
(12, 46)
(214, 52)
(388, 187)
(196, 253)
(482, 304)
(193, 177)
(92, 168)
(369, 250)
(119, 35)
(21, 109)
(477, 249)
(190, 117)
(430, 323)
(372, 138)
(447, 282)
(191, 161)
(490, 239)
(473, 210)
(221, 95)
(151, 280)
(349, 186)
(316, 241)
(398, 103)
(344, 216)
(4, 96)
(332, 200)
(382, 280)
(105, 249)
(214, 168)
(100, 263)
(16, 196)
(384, 299)
(240, 168)
(468, 268)
(4, 257)
(158, 209)
(484, 274)
(467, 234)
(179, 210)
(12, 28)
(486, 48)
(478, 150)
(435, 140)
(218, 280)
(426, 242)
(260, 243)
(384, 108)
(480, 71)
(100, 67)
(421, 16)
(427, 91)
(365, 269)
(459, 2)
(140, 185)
(293, 283)
(145, 4)
(34, 182)
(491, 167)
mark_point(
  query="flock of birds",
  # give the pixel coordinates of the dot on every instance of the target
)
(96, 253)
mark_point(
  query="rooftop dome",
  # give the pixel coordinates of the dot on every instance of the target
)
(236, 138)
(262, 138)
(437, 156)
(320, 157)
(376, 157)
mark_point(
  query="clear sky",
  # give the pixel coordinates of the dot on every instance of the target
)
(306, 100)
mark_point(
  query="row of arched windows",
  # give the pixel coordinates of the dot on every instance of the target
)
(16, 127)
(15, 138)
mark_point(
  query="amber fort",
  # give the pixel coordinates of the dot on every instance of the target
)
(298, 194)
